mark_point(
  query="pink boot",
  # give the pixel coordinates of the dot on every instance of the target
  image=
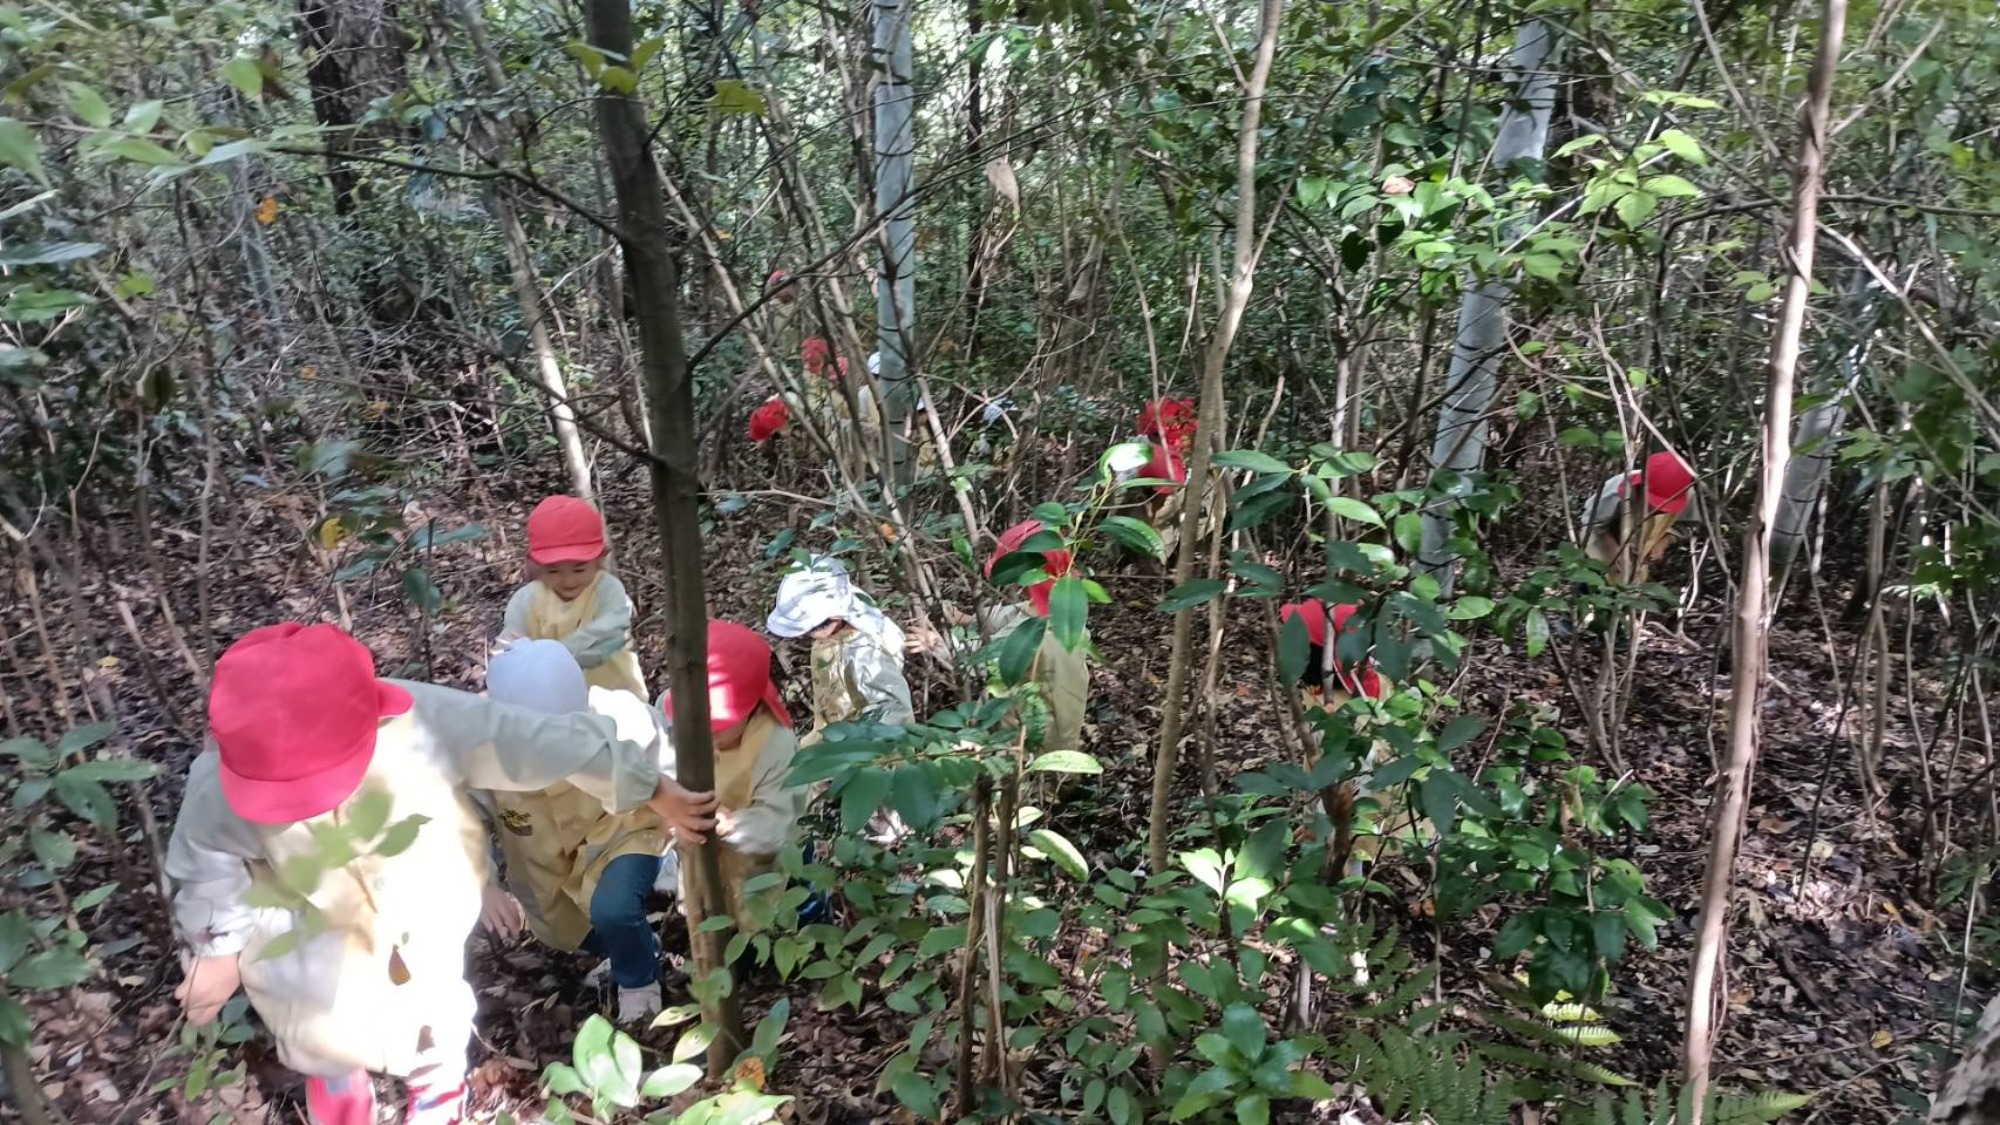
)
(347, 1100)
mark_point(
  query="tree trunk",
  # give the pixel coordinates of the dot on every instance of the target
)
(655, 285)
(895, 287)
(1474, 378)
(357, 57)
(1208, 423)
(1819, 427)
(1971, 1093)
(1749, 645)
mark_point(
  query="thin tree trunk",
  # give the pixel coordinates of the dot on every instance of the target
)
(655, 283)
(895, 287)
(1749, 647)
(548, 369)
(1971, 1093)
(1208, 423)
(1474, 378)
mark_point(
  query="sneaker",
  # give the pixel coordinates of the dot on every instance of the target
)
(347, 1100)
(640, 1005)
(432, 1106)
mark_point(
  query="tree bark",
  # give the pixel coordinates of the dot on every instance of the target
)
(1971, 1093)
(655, 284)
(357, 57)
(1208, 423)
(1474, 378)
(895, 286)
(1749, 648)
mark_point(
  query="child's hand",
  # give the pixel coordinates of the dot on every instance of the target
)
(725, 822)
(921, 640)
(500, 912)
(957, 616)
(210, 982)
(689, 814)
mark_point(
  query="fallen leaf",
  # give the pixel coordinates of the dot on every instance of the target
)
(1881, 1039)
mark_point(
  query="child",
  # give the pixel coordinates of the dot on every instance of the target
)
(1630, 538)
(757, 811)
(572, 598)
(1317, 691)
(770, 419)
(1063, 673)
(581, 873)
(302, 738)
(857, 653)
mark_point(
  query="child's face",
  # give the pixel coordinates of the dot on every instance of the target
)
(827, 629)
(730, 738)
(570, 579)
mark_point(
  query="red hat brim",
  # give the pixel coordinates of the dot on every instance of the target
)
(263, 801)
(568, 553)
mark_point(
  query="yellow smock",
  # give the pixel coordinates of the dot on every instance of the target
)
(1063, 674)
(750, 781)
(596, 627)
(853, 678)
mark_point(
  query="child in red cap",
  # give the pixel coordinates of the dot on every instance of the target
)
(302, 738)
(571, 597)
(757, 809)
(1318, 690)
(1630, 538)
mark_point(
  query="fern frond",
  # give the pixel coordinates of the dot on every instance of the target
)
(1755, 1109)
(1579, 1035)
(1568, 1068)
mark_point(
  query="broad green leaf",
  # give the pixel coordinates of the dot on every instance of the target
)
(401, 835)
(15, 1027)
(53, 968)
(942, 939)
(733, 96)
(1254, 460)
(1548, 267)
(55, 850)
(1193, 593)
(243, 73)
(92, 899)
(1244, 1027)
(1683, 146)
(669, 1081)
(19, 148)
(618, 80)
(1069, 608)
(1348, 508)
(422, 592)
(1206, 866)
(1065, 761)
(1018, 649)
(86, 798)
(693, 1041)
(1060, 852)
(234, 150)
(1294, 649)
(861, 796)
(592, 1054)
(112, 769)
(1671, 187)
(1135, 535)
(1636, 207)
(87, 104)
(143, 116)
(370, 814)
(1470, 608)
(1536, 628)
(16, 933)
(139, 150)
(82, 738)
(29, 750)
(1253, 1109)
(48, 253)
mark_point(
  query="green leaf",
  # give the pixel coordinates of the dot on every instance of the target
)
(139, 150)
(15, 1027)
(1536, 627)
(1061, 852)
(733, 96)
(1635, 207)
(19, 148)
(1348, 508)
(1017, 651)
(400, 836)
(1294, 649)
(861, 796)
(82, 738)
(144, 115)
(1251, 459)
(592, 1054)
(1135, 535)
(234, 150)
(92, 899)
(87, 104)
(1193, 593)
(29, 750)
(112, 769)
(1439, 799)
(367, 816)
(16, 934)
(1244, 1027)
(48, 253)
(1671, 187)
(1065, 761)
(86, 798)
(422, 592)
(942, 939)
(1458, 732)
(1470, 608)
(618, 80)
(1548, 267)
(243, 73)
(1069, 608)
(55, 850)
(669, 1081)
(1253, 1109)
(54, 968)
(1683, 146)
(694, 1041)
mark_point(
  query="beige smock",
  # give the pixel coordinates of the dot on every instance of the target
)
(1063, 673)
(331, 1002)
(559, 840)
(596, 627)
(750, 781)
(854, 678)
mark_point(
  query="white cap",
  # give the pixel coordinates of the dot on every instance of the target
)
(538, 675)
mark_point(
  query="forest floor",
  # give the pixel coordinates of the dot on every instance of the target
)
(1839, 980)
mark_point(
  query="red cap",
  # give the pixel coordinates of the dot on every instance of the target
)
(739, 678)
(564, 529)
(1166, 465)
(769, 419)
(1057, 563)
(294, 710)
(1171, 420)
(1367, 682)
(815, 355)
(1669, 483)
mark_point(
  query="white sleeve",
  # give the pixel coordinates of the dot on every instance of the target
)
(492, 745)
(609, 632)
(775, 807)
(516, 621)
(1602, 509)
(208, 863)
(885, 693)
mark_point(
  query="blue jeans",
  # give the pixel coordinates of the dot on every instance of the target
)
(619, 931)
